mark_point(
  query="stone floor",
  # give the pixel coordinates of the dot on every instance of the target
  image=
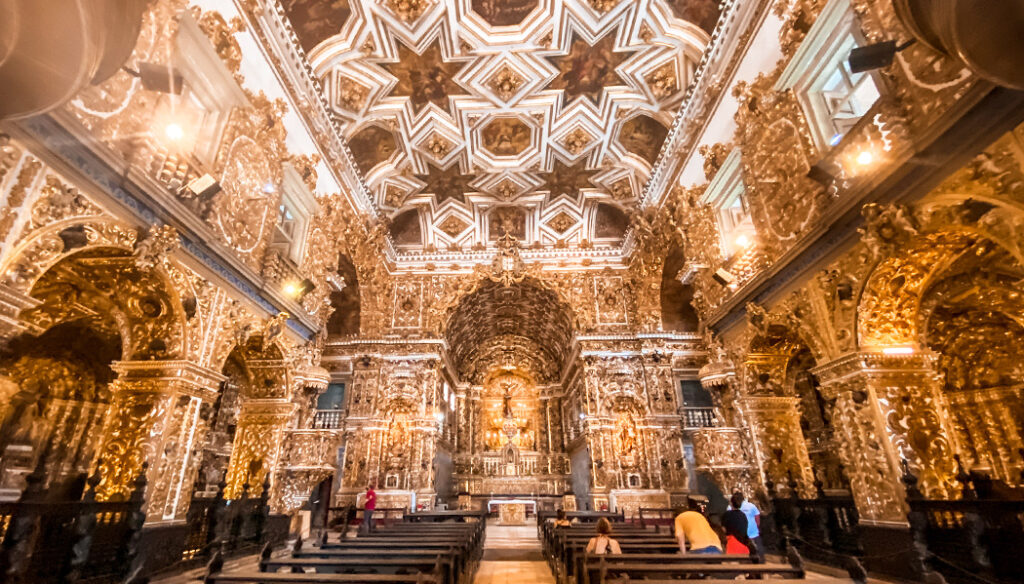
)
(512, 556)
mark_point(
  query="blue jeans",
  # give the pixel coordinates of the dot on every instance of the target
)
(707, 550)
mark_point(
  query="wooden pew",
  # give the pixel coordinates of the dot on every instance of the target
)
(465, 545)
(590, 566)
(451, 560)
(573, 570)
(371, 574)
(439, 516)
(621, 568)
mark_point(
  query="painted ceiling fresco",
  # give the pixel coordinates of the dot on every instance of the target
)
(473, 118)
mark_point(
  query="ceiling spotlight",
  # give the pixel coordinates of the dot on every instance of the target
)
(174, 132)
(298, 290)
(876, 56)
(723, 277)
(865, 158)
(439, 416)
(203, 187)
(742, 240)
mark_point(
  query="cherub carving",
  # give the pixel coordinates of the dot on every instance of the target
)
(158, 243)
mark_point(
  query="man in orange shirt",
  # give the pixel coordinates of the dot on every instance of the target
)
(693, 527)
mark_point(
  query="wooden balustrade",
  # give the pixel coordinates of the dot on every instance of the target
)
(63, 534)
(956, 541)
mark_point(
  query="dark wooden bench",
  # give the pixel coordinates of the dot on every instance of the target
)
(394, 566)
(370, 574)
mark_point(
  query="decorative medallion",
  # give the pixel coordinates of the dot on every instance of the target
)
(408, 10)
(561, 222)
(505, 83)
(603, 6)
(622, 190)
(663, 81)
(438, 146)
(352, 94)
(577, 141)
(453, 226)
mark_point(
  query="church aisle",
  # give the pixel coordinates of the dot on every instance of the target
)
(512, 555)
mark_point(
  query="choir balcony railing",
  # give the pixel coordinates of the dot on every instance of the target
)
(699, 417)
(328, 419)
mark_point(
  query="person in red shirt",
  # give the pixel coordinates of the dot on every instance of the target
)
(368, 506)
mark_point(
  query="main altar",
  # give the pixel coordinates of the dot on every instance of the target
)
(512, 511)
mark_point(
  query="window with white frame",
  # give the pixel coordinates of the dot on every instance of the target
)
(833, 97)
(210, 89)
(295, 209)
(727, 196)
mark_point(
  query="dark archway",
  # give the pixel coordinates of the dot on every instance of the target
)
(344, 321)
(677, 312)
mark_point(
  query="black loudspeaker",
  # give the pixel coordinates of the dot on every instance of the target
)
(818, 174)
(871, 57)
(160, 78)
(723, 277)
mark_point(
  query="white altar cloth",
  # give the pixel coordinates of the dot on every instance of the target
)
(494, 502)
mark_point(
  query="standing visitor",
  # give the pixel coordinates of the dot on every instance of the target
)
(753, 523)
(734, 521)
(368, 506)
(693, 527)
(603, 543)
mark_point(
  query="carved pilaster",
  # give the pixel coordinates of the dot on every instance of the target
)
(159, 414)
(257, 446)
(720, 453)
(887, 407)
(990, 424)
(307, 457)
(775, 425)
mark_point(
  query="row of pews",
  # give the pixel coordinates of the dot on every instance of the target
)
(418, 550)
(649, 556)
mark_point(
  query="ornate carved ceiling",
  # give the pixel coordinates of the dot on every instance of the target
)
(473, 118)
(521, 327)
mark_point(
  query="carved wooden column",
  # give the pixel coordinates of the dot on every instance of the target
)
(257, 446)
(990, 423)
(720, 453)
(887, 407)
(160, 415)
(774, 421)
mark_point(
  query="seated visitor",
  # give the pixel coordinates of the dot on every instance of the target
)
(734, 521)
(603, 542)
(561, 521)
(691, 526)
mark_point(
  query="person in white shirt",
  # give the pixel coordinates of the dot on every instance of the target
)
(753, 523)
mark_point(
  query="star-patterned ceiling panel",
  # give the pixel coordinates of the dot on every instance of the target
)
(543, 109)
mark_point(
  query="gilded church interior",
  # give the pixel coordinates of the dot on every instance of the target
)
(594, 255)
